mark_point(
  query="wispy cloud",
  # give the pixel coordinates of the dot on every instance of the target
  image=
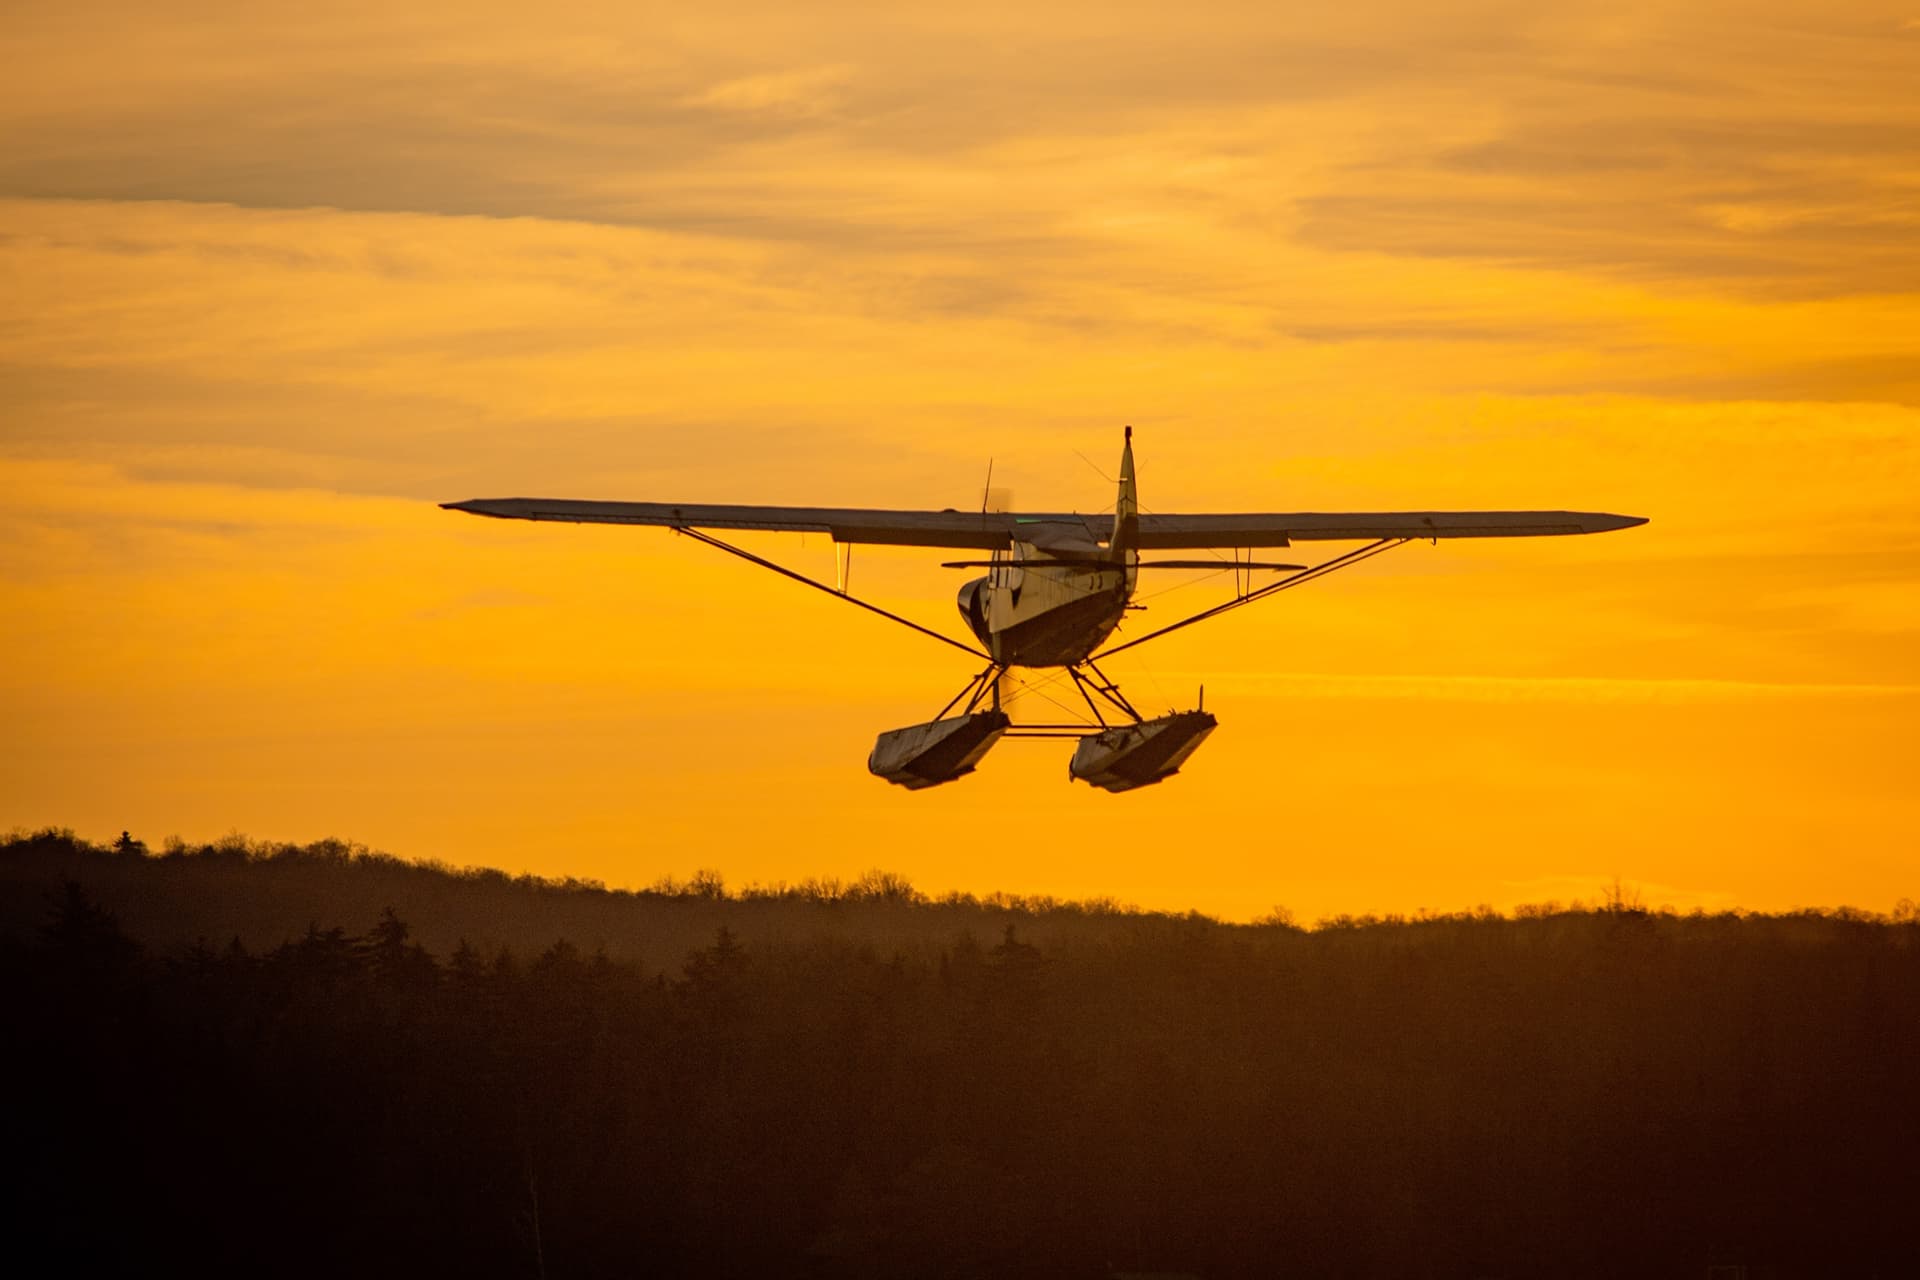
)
(806, 92)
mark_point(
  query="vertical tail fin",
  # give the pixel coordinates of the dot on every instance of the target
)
(1125, 545)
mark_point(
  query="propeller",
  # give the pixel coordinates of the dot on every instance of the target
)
(995, 500)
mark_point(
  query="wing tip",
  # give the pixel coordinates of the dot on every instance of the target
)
(478, 507)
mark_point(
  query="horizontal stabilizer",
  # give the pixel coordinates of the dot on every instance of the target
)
(1109, 564)
(1216, 564)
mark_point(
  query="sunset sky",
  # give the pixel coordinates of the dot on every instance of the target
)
(275, 279)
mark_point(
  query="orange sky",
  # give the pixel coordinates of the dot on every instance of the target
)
(278, 278)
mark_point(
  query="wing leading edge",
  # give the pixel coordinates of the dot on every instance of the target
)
(995, 530)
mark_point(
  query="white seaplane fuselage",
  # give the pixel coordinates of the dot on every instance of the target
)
(1033, 611)
(1058, 594)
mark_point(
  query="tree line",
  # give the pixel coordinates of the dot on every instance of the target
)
(937, 1089)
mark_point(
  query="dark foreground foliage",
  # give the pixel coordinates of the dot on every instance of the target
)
(1605, 1093)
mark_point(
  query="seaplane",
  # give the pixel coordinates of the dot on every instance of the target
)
(1056, 588)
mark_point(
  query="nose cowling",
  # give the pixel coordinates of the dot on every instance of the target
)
(973, 607)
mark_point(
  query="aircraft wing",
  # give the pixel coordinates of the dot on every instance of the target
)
(995, 530)
(1280, 529)
(989, 531)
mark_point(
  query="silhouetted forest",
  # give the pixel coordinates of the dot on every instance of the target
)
(287, 1060)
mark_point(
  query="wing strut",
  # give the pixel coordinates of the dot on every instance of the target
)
(797, 576)
(1320, 570)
